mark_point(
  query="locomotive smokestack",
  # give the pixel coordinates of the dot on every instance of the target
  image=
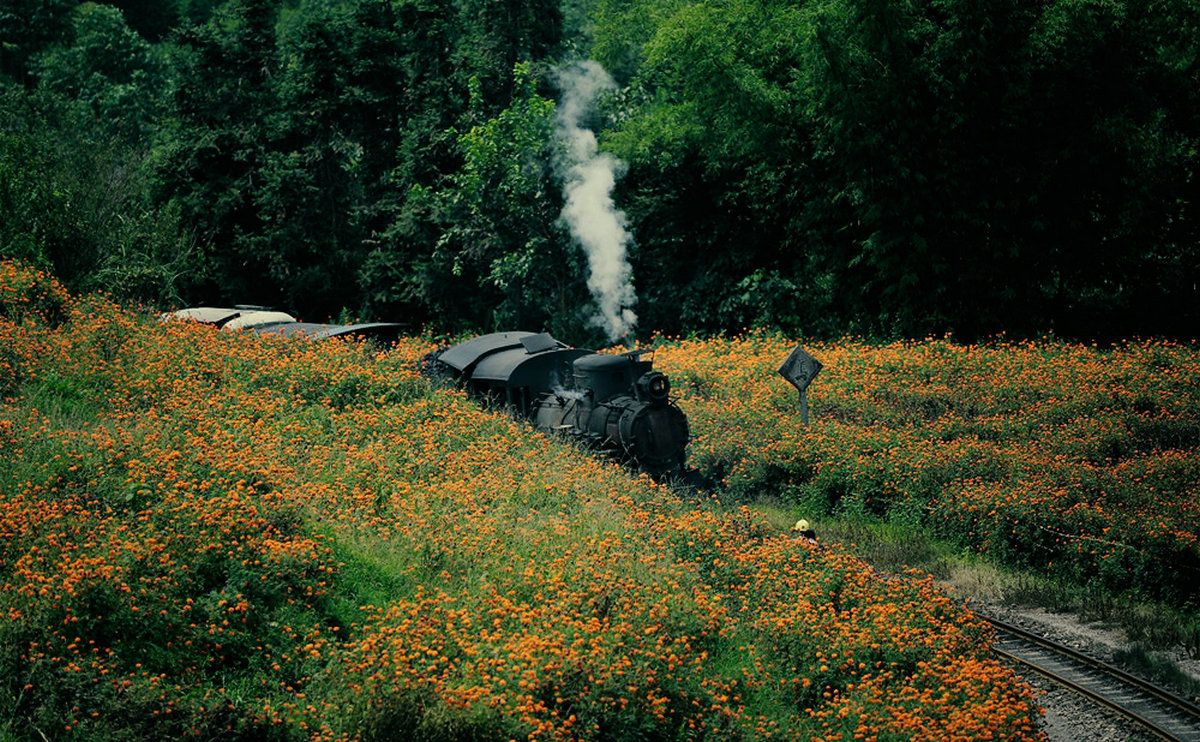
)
(589, 176)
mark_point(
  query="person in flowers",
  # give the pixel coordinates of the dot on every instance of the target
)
(804, 530)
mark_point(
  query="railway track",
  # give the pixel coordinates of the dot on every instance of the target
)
(1161, 713)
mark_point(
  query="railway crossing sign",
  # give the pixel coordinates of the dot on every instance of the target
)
(800, 368)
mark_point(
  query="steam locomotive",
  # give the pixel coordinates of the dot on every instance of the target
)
(617, 404)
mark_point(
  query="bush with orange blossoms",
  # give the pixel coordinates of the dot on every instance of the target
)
(1039, 453)
(208, 534)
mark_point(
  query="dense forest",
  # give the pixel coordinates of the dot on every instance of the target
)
(881, 167)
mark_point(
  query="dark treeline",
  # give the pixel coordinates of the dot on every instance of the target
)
(886, 167)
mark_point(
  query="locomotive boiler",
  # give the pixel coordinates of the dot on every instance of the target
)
(617, 404)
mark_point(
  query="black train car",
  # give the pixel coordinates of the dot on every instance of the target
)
(616, 403)
(266, 321)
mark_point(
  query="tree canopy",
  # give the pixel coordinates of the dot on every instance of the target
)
(886, 167)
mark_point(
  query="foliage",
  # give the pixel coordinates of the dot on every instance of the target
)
(214, 534)
(925, 162)
(718, 153)
(74, 203)
(1052, 456)
(890, 167)
(501, 230)
(913, 167)
(27, 27)
(71, 152)
(113, 77)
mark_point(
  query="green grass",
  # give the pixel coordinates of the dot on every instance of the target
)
(1152, 628)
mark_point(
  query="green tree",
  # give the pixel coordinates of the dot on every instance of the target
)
(910, 166)
(211, 151)
(153, 20)
(919, 112)
(448, 50)
(115, 77)
(72, 185)
(502, 235)
(302, 149)
(398, 276)
(495, 35)
(1116, 96)
(327, 168)
(712, 126)
(28, 27)
(73, 201)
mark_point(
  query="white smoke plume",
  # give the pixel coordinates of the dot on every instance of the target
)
(589, 176)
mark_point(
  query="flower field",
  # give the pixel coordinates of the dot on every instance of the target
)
(1079, 461)
(218, 535)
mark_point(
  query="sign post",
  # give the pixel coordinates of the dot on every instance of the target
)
(800, 369)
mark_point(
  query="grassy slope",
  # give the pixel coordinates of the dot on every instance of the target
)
(1066, 459)
(1058, 475)
(210, 534)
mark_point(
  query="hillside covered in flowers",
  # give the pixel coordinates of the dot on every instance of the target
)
(208, 534)
(1077, 461)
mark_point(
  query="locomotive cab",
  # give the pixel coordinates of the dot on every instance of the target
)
(607, 376)
(630, 408)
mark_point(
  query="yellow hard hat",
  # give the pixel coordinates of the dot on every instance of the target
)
(801, 525)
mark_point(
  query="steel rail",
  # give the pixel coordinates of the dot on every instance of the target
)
(1074, 687)
(1180, 706)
